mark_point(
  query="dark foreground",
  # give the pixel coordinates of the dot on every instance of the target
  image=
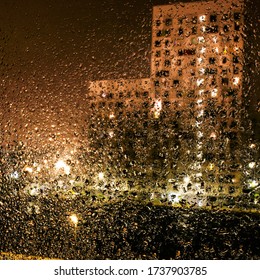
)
(126, 230)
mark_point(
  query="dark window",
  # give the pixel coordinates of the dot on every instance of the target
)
(191, 94)
(178, 62)
(167, 32)
(231, 92)
(159, 33)
(137, 94)
(157, 63)
(225, 17)
(194, 30)
(235, 59)
(212, 29)
(158, 22)
(158, 53)
(168, 21)
(145, 104)
(166, 94)
(212, 60)
(167, 42)
(110, 95)
(167, 53)
(102, 104)
(236, 16)
(180, 72)
(176, 82)
(187, 52)
(193, 62)
(236, 70)
(162, 73)
(213, 18)
(167, 63)
(236, 38)
(233, 124)
(231, 190)
(211, 71)
(156, 83)
(145, 94)
(237, 26)
(213, 82)
(194, 20)
(119, 105)
(224, 60)
(224, 71)
(225, 28)
(167, 104)
(225, 81)
(157, 43)
(180, 52)
(180, 31)
(180, 20)
(121, 94)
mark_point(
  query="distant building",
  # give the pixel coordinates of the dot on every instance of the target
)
(177, 133)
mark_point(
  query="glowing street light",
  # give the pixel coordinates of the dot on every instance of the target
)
(251, 164)
(60, 164)
(186, 179)
(28, 169)
(74, 220)
(101, 176)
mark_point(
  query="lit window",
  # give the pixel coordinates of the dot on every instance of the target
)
(213, 135)
(200, 82)
(203, 50)
(202, 71)
(201, 112)
(101, 176)
(236, 81)
(200, 134)
(111, 134)
(199, 102)
(214, 92)
(186, 179)
(199, 155)
(251, 164)
(211, 166)
(202, 18)
(214, 39)
(200, 60)
(201, 39)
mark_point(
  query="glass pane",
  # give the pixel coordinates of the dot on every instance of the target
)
(129, 130)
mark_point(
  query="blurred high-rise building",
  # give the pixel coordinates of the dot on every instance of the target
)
(177, 133)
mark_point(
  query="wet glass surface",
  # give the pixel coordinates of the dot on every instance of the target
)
(129, 129)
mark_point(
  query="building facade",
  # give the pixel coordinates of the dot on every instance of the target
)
(177, 133)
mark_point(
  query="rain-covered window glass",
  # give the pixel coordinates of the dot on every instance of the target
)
(129, 129)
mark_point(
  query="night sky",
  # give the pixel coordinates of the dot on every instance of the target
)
(49, 49)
